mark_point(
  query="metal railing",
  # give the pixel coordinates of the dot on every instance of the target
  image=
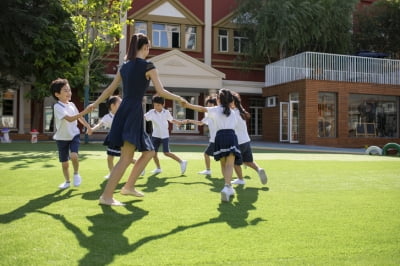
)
(322, 66)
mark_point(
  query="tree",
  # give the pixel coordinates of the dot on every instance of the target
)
(38, 45)
(377, 28)
(37, 41)
(98, 29)
(278, 29)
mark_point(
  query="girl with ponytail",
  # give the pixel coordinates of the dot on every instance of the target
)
(244, 144)
(226, 148)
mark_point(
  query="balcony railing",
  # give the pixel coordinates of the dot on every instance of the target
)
(321, 66)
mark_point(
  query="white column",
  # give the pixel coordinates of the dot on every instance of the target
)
(21, 113)
(207, 31)
(122, 42)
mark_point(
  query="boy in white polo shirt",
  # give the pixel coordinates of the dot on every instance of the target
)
(67, 133)
(159, 118)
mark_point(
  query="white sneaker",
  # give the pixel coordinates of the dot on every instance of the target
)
(77, 180)
(156, 171)
(107, 176)
(205, 172)
(64, 185)
(226, 193)
(143, 172)
(183, 166)
(238, 181)
(263, 176)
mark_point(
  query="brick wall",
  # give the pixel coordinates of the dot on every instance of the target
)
(308, 111)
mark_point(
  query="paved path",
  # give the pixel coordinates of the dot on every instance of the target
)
(257, 144)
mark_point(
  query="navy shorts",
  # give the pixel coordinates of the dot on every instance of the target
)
(210, 149)
(114, 151)
(158, 141)
(247, 154)
(111, 150)
(65, 146)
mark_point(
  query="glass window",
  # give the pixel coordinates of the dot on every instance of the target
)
(8, 109)
(167, 36)
(373, 116)
(327, 114)
(181, 113)
(239, 42)
(190, 37)
(141, 27)
(223, 40)
(48, 121)
(255, 123)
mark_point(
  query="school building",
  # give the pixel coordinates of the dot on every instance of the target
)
(195, 46)
(332, 100)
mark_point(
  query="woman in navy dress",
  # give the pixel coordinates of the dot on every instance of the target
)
(127, 130)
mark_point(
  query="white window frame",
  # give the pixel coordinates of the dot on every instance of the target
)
(169, 32)
(4, 119)
(240, 40)
(189, 35)
(221, 39)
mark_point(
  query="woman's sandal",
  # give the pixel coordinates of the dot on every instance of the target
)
(113, 202)
(135, 193)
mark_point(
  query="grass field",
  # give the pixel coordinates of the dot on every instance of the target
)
(317, 209)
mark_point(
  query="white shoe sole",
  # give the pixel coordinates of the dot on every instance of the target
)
(224, 197)
(263, 176)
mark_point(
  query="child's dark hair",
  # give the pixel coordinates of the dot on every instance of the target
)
(112, 100)
(137, 42)
(158, 99)
(56, 86)
(238, 103)
(225, 98)
(211, 99)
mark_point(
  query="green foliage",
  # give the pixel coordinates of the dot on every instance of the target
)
(278, 29)
(98, 28)
(378, 28)
(38, 43)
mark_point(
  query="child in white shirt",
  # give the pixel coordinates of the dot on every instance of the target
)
(67, 134)
(226, 147)
(160, 118)
(244, 144)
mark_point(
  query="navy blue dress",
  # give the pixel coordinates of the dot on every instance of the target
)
(128, 120)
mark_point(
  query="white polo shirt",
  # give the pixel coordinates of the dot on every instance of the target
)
(159, 121)
(221, 121)
(65, 130)
(107, 120)
(241, 129)
(211, 127)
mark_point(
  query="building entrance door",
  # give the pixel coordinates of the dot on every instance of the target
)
(289, 122)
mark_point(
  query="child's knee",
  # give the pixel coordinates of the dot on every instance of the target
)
(74, 156)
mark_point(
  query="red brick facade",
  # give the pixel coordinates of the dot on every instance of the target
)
(308, 111)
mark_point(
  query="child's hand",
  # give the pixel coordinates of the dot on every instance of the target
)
(89, 131)
(90, 108)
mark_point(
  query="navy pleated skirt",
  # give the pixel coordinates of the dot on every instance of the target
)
(226, 142)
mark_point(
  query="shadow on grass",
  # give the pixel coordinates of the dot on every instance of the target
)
(26, 159)
(36, 204)
(107, 239)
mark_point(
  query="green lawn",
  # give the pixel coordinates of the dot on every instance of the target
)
(317, 209)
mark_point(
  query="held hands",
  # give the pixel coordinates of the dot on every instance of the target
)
(88, 109)
(89, 131)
